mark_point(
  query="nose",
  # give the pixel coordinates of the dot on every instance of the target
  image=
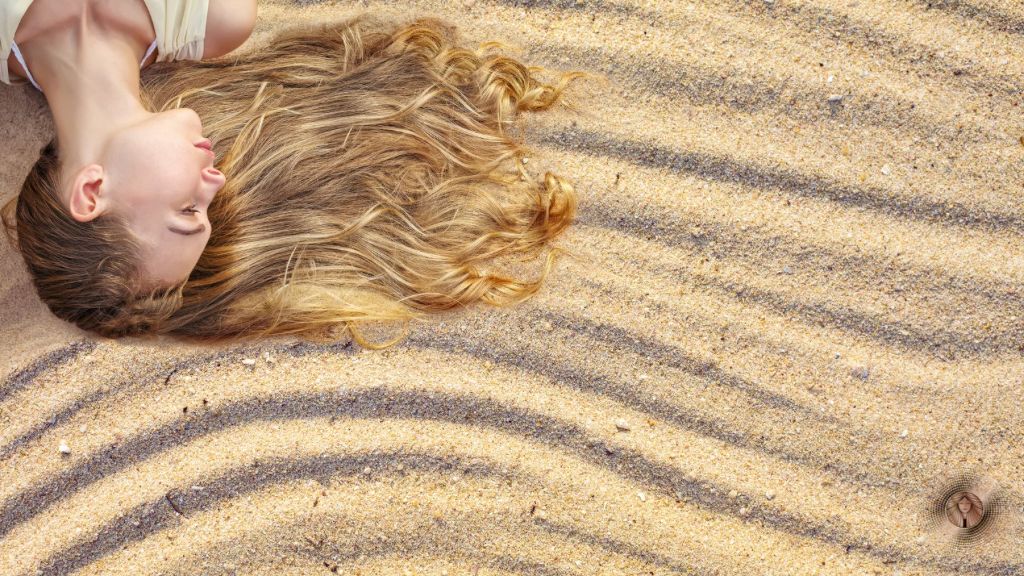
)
(215, 181)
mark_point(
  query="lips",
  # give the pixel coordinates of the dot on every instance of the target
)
(206, 145)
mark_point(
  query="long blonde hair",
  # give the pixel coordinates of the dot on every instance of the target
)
(366, 181)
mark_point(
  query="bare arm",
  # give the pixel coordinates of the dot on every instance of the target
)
(229, 23)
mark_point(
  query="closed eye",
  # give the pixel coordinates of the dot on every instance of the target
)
(202, 228)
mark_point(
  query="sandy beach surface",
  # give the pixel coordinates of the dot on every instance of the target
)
(791, 327)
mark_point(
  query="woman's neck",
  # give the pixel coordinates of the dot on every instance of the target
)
(89, 74)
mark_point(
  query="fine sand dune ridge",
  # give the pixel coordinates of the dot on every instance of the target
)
(790, 326)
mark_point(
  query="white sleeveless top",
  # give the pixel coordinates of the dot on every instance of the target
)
(180, 31)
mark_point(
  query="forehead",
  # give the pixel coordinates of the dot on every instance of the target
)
(167, 257)
(175, 267)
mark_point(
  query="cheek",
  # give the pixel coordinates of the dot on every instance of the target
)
(162, 189)
(179, 181)
(133, 174)
(156, 163)
(156, 173)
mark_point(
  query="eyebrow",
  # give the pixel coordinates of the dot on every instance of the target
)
(188, 232)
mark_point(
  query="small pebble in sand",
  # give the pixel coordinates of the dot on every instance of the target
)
(769, 495)
(641, 496)
(622, 425)
(743, 511)
(366, 470)
(886, 170)
(861, 372)
(920, 539)
(787, 270)
(835, 98)
(733, 494)
(904, 433)
(64, 448)
(268, 358)
(249, 362)
(81, 428)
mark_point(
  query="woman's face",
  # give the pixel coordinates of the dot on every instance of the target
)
(964, 505)
(156, 173)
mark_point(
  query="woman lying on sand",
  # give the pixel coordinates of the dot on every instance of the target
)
(360, 170)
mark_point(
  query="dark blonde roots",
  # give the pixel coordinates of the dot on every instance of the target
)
(365, 182)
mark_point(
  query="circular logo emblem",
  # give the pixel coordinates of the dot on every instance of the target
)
(964, 509)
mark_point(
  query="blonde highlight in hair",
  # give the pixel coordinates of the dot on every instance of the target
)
(365, 182)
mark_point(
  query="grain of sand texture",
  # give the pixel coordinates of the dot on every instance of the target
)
(797, 280)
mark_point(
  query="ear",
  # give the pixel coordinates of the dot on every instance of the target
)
(88, 197)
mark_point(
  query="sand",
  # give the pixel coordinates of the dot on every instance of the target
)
(791, 327)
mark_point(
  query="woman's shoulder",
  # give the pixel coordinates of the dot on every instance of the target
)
(229, 23)
(198, 29)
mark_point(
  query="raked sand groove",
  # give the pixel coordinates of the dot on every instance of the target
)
(796, 275)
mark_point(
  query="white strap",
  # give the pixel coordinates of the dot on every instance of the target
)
(21, 60)
(148, 52)
(17, 54)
